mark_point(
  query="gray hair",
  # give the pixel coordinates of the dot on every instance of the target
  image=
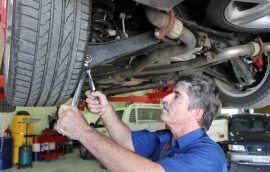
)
(203, 94)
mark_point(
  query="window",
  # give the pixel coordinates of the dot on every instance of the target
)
(99, 123)
(249, 123)
(119, 113)
(149, 114)
(132, 117)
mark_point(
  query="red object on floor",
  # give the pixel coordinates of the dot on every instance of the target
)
(2, 81)
(2, 84)
(52, 145)
(2, 95)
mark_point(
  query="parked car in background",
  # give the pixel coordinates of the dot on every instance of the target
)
(136, 117)
(249, 140)
(218, 131)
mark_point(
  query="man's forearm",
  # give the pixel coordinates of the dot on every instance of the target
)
(117, 129)
(113, 156)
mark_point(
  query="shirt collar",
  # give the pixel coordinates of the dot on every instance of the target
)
(187, 139)
(183, 141)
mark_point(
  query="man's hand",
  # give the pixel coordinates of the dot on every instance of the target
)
(71, 122)
(97, 103)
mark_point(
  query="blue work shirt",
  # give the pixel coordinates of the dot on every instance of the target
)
(194, 151)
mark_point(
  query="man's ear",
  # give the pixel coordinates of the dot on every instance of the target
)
(197, 114)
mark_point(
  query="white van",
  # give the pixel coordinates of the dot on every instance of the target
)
(136, 117)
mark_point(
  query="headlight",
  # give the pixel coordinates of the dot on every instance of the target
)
(236, 148)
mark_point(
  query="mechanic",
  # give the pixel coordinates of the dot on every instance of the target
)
(188, 112)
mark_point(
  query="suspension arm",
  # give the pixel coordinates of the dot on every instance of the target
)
(110, 51)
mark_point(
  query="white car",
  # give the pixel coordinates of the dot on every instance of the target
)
(136, 117)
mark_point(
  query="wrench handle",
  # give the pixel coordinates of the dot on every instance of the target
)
(78, 91)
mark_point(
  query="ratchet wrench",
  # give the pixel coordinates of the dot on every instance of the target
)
(87, 71)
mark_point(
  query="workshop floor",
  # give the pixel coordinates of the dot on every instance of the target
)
(73, 163)
(70, 163)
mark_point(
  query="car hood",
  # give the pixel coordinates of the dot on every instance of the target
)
(249, 137)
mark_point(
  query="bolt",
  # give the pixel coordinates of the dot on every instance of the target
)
(157, 33)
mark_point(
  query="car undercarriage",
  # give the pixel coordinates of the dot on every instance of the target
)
(136, 45)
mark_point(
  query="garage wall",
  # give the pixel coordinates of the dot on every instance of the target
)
(35, 112)
(42, 114)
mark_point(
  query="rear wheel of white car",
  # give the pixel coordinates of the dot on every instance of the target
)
(44, 50)
(240, 15)
(84, 154)
(233, 167)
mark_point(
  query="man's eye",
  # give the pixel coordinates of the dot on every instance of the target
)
(177, 97)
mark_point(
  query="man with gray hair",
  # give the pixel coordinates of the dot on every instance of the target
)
(188, 112)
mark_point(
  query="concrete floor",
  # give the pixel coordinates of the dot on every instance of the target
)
(71, 162)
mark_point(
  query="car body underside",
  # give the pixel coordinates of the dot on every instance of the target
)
(137, 45)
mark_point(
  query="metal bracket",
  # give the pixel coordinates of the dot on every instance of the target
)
(110, 51)
(242, 72)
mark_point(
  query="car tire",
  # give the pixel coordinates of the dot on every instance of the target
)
(257, 97)
(5, 107)
(84, 154)
(45, 49)
(216, 15)
(233, 167)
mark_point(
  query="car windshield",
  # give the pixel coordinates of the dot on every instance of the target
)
(249, 123)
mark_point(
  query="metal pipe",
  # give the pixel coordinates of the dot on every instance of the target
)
(266, 47)
(226, 54)
(157, 18)
(188, 39)
(161, 20)
(250, 49)
(157, 56)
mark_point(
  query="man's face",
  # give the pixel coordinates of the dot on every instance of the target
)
(175, 109)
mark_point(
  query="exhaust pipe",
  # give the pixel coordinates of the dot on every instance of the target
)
(168, 25)
(250, 49)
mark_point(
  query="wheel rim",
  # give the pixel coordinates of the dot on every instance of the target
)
(248, 14)
(233, 92)
(9, 20)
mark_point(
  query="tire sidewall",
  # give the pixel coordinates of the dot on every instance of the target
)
(215, 14)
(254, 100)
